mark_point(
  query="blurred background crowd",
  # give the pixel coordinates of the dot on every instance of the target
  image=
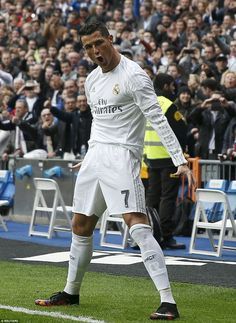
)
(43, 67)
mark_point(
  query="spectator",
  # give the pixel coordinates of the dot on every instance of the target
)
(220, 66)
(183, 6)
(228, 23)
(83, 68)
(45, 134)
(18, 83)
(195, 88)
(31, 94)
(5, 135)
(117, 14)
(160, 8)
(83, 14)
(73, 58)
(161, 34)
(145, 12)
(228, 82)
(5, 78)
(180, 31)
(129, 19)
(229, 141)
(177, 73)
(41, 56)
(21, 141)
(37, 33)
(209, 53)
(80, 84)
(76, 129)
(67, 72)
(190, 59)
(98, 14)
(209, 86)
(70, 88)
(54, 30)
(72, 20)
(184, 101)
(48, 73)
(232, 56)
(185, 106)
(7, 64)
(205, 72)
(85, 121)
(52, 58)
(54, 92)
(212, 119)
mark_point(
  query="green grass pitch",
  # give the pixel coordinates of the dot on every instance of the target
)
(107, 298)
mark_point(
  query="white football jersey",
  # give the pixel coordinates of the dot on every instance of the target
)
(120, 102)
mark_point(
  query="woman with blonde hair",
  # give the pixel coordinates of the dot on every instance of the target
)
(195, 88)
(228, 83)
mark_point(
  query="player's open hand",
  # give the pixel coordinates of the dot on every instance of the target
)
(185, 171)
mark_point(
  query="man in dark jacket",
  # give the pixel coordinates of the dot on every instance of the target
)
(162, 186)
(212, 119)
(45, 134)
(22, 142)
(76, 126)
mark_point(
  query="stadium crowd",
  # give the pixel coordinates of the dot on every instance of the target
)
(43, 67)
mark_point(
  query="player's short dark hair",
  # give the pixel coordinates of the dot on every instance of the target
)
(92, 27)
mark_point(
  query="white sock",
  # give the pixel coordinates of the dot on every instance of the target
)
(166, 296)
(81, 251)
(153, 259)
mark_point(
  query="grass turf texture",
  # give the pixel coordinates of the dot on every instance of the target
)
(108, 297)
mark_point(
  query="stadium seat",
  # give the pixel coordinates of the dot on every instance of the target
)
(4, 177)
(26, 170)
(41, 205)
(217, 184)
(231, 193)
(7, 192)
(205, 196)
(2, 223)
(123, 230)
(214, 210)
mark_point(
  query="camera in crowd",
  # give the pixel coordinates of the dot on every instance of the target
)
(189, 51)
(216, 105)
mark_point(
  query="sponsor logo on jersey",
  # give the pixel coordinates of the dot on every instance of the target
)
(107, 110)
(116, 89)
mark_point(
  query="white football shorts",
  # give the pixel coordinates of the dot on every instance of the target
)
(109, 178)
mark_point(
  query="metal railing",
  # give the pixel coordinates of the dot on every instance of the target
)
(204, 170)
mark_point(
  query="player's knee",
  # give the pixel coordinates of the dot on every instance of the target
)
(83, 225)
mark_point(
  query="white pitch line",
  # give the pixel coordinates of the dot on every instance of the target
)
(50, 314)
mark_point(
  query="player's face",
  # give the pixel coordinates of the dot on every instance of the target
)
(100, 50)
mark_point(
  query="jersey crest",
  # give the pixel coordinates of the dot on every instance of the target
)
(116, 89)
